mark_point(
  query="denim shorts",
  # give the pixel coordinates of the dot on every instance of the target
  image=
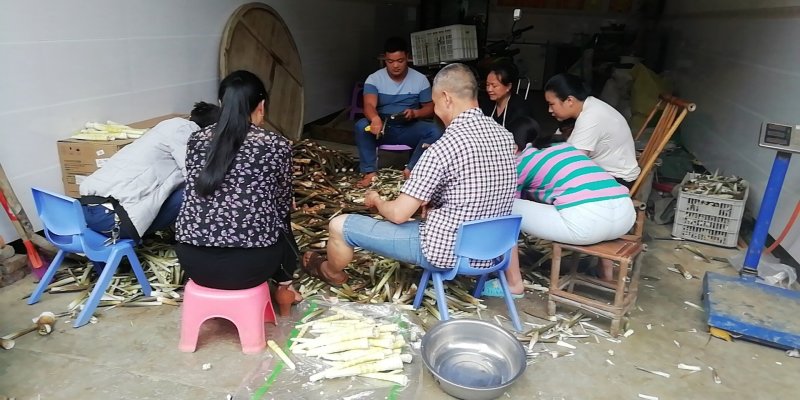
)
(396, 241)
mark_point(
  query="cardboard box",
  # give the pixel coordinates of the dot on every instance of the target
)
(80, 158)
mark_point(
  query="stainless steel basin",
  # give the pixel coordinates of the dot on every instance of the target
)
(473, 359)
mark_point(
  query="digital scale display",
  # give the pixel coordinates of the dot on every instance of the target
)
(778, 134)
(781, 137)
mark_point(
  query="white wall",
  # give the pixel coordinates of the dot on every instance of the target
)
(740, 62)
(68, 62)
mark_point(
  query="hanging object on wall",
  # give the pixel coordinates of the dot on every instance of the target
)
(257, 39)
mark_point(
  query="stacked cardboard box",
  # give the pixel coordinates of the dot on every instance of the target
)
(80, 158)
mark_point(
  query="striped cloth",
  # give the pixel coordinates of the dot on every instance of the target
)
(563, 176)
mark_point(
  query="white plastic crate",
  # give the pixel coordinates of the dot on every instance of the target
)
(445, 44)
(708, 219)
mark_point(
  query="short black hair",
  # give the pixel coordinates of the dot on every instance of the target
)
(506, 71)
(565, 85)
(204, 114)
(395, 44)
(526, 130)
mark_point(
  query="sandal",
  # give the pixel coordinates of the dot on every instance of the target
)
(366, 180)
(492, 288)
(313, 267)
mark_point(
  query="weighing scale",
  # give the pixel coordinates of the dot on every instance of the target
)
(741, 305)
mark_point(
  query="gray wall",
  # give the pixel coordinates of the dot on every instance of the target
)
(740, 62)
(68, 62)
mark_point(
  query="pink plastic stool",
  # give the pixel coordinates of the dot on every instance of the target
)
(248, 309)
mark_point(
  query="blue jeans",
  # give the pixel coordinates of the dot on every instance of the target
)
(413, 134)
(101, 219)
(399, 242)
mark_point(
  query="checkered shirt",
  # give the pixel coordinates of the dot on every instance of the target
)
(466, 175)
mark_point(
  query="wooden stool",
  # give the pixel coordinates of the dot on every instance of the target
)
(623, 251)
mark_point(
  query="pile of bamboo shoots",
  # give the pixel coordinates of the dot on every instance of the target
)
(352, 344)
(324, 183)
(108, 131)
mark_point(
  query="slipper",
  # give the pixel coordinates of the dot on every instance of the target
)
(492, 288)
(314, 268)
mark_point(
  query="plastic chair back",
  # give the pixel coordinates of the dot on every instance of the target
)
(60, 215)
(485, 239)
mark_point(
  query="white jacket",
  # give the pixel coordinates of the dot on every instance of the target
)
(144, 173)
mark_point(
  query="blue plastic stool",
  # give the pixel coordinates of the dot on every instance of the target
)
(65, 227)
(486, 239)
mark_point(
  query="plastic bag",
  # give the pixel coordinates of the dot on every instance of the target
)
(273, 380)
(770, 270)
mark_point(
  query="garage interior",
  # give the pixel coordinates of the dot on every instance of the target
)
(67, 64)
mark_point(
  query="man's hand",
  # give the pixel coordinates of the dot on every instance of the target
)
(409, 114)
(372, 198)
(375, 126)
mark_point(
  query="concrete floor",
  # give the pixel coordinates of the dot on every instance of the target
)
(132, 353)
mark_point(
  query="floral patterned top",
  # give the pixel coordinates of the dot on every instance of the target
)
(249, 207)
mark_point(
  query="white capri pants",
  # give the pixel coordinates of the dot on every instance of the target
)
(583, 224)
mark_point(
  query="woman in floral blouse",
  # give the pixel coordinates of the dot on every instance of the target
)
(232, 229)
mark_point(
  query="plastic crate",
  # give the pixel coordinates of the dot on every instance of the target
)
(445, 44)
(707, 219)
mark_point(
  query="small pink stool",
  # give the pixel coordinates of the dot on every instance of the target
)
(248, 309)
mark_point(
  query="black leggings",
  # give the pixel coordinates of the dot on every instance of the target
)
(235, 268)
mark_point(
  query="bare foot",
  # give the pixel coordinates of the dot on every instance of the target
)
(366, 180)
(406, 174)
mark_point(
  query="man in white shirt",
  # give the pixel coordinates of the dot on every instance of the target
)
(600, 130)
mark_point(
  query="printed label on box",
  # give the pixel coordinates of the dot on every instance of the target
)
(100, 162)
(79, 179)
(100, 152)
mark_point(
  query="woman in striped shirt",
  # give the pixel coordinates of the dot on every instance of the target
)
(564, 196)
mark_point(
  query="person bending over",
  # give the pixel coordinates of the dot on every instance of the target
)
(563, 196)
(144, 181)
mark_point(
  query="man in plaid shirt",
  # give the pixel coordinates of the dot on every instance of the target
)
(468, 174)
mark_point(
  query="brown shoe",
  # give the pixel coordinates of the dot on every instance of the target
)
(367, 180)
(312, 265)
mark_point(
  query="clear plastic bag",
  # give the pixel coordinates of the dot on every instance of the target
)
(272, 379)
(770, 270)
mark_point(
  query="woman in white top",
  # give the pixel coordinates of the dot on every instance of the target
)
(600, 130)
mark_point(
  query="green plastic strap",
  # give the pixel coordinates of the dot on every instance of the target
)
(280, 364)
(259, 394)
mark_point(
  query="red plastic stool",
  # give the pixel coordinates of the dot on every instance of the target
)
(248, 309)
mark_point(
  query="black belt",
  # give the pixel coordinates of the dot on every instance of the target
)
(125, 223)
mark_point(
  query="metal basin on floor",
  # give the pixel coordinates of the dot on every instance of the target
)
(472, 359)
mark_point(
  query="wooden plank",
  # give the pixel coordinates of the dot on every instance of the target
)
(256, 39)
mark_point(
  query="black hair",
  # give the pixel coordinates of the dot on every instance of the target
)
(240, 93)
(526, 130)
(395, 44)
(565, 85)
(204, 114)
(506, 71)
